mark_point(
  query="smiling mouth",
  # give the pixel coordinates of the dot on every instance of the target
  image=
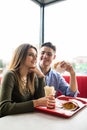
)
(44, 60)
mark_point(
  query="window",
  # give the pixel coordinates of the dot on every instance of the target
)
(19, 23)
(66, 27)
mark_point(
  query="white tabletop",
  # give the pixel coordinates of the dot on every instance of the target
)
(44, 121)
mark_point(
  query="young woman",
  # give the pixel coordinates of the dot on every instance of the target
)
(23, 84)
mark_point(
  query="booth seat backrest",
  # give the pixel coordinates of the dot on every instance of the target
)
(82, 85)
(0, 80)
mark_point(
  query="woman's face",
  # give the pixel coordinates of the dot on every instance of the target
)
(31, 58)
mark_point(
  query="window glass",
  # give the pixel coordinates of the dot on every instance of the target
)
(66, 27)
(19, 23)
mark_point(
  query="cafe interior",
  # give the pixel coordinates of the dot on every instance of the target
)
(49, 119)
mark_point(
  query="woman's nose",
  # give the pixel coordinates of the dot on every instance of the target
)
(35, 57)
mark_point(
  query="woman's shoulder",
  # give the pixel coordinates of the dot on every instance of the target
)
(8, 73)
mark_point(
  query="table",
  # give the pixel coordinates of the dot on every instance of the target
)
(44, 121)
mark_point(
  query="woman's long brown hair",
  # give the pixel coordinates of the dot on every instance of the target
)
(18, 58)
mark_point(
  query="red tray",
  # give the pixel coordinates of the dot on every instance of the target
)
(59, 111)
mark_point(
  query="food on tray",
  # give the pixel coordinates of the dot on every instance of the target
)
(70, 105)
(49, 90)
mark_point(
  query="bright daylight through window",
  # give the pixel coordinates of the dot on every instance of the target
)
(66, 27)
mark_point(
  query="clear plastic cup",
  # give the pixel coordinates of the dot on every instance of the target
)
(49, 90)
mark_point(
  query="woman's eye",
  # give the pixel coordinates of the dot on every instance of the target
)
(31, 54)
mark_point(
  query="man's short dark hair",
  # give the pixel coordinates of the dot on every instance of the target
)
(49, 44)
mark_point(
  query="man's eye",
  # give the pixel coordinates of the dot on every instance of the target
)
(49, 54)
(42, 53)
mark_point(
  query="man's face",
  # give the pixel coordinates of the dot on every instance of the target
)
(47, 55)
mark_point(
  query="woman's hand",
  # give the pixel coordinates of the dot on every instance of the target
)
(51, 102)
(48, 101)
(40, 102)
(37, 71)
